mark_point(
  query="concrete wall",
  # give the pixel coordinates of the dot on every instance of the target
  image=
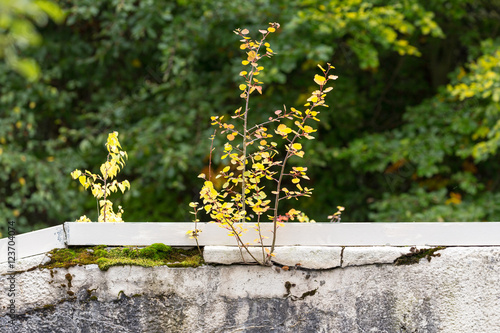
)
(458, 291)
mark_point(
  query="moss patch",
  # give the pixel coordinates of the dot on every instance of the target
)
(415, 255)
(154, 255)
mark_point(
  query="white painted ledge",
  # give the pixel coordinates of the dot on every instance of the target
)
(292, 234)
(33, 243)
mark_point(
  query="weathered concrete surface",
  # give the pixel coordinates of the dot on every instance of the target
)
(25, 263)
(357, 256)
(312, 257)
(456, 292)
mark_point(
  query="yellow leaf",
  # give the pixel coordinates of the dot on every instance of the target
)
(308, 129)
(295, 180)
(243, 86)
(251, 55)
(297, 146)
(245, 62)
(320, 80)
(271, 29)
(283, 129)
(82, 180)
(243, 46)
(455, 198)
(75, 174)
(258, 166)
(103, 169)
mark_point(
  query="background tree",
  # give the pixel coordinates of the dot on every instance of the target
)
(17, 31)
(411, 134)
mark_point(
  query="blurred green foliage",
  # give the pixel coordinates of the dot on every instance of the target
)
(17, 31)
(411, 135)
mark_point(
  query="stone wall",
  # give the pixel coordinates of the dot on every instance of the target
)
(457, 291)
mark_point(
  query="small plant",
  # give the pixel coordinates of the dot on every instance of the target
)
(103, 185)
(254, 178)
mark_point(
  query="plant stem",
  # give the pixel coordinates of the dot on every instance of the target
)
(241, 245)
(245, 131)
(244, 154)
(210, 156)
(276, 201)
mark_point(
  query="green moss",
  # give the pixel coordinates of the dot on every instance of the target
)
(100, 253)
(63, 255)
(155, 255)
(193, 261)
(148, 252)
(130, 253)
(415, 255)
(156, 251)
(106, 263)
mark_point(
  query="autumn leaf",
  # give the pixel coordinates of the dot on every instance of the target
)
(320, 80)
(75, 174)
(251, 55)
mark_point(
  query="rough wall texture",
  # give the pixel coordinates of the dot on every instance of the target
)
(456, 292)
